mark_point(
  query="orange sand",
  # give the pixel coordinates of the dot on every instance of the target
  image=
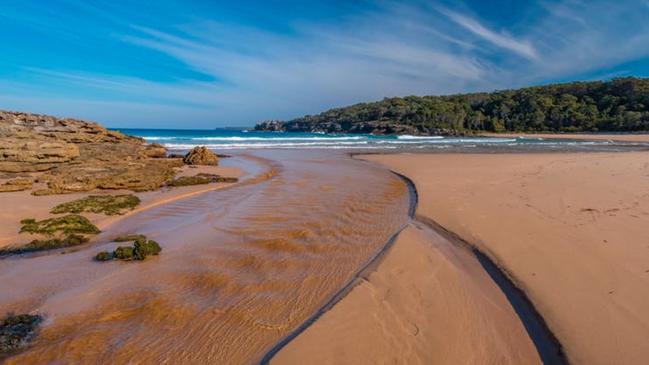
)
(571, 229)
(427, 303)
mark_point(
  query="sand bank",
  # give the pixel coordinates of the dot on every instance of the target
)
(24, 205)
(571, 229)
(428, 302)
(620, 137)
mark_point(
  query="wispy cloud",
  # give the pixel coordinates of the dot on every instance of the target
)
(503, 40)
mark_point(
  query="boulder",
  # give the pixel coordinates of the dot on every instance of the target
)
(201, 156)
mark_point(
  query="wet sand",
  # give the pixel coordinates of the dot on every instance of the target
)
(427, 302)
(570, 229)
(240, 268)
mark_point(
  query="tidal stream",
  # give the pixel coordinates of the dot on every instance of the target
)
(240, 269)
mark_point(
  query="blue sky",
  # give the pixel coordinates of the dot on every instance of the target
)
(205, 64)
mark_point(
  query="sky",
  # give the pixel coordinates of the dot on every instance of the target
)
(207, 64)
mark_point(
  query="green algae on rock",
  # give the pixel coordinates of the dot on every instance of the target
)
(104, 256)
(16, 332)
(144, 248)
(200, 179)
(140, 250)
(129, 238)
(44, 245)
(123, 253)
(68, 224)
(105, 204)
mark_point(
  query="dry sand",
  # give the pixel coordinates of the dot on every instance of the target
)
(571, 229)
(621, 137)
(16, 206)
(427, 303)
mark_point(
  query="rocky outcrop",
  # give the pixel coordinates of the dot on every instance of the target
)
(371, 127)
(201, 156)
(69, 155)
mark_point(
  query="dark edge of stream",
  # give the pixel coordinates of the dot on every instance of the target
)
(547, 345)
(369, 266)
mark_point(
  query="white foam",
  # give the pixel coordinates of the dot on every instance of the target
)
(225, 139)
(419, 137)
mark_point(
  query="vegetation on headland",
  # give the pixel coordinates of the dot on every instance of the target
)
(617, 105)
(16, 331)
(106, 204)
(67, 224)
(142, 247)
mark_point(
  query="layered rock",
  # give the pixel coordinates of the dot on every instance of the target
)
(70, 155)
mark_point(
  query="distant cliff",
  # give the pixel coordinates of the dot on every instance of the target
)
(617, 105)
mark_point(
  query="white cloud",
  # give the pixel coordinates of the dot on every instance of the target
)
(503, 40)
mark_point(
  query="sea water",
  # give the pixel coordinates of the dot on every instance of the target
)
(236, 139)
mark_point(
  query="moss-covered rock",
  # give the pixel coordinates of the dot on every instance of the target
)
(124, 253)
(44, 244)
(104, 256)
(144, 248)
(201, 178)
(68, 224)
(129, 238)
(105, 204)
(16, 331)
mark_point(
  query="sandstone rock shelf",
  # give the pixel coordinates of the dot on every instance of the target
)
(55, 156)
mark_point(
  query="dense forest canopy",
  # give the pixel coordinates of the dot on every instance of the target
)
(618, 105)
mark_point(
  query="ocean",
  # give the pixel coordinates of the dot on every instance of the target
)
(236, 139)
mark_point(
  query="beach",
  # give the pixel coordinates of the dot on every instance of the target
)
(523, 257)
(568, 229)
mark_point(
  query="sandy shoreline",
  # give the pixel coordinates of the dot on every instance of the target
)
(569, 228)
(620, 137)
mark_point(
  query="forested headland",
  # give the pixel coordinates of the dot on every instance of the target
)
(620, 105)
